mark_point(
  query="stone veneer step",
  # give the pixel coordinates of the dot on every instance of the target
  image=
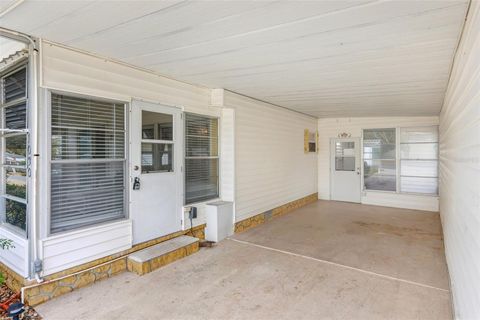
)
(154, 257)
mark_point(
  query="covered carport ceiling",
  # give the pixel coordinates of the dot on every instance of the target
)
(323, 58)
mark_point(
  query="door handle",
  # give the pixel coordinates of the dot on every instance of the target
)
(358, 171)
(136, 183)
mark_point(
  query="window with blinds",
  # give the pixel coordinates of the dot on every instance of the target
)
(419, 160)
(14, 139)
(87, 162)
(201, 158)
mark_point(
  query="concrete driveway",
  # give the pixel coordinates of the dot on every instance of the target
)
(328, 260)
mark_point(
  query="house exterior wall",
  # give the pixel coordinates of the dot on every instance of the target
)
(262, 161)
(330, 128)
(271, 168)
(69, 70)
(460, 171)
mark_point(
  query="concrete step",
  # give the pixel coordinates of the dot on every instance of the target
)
(154, 257)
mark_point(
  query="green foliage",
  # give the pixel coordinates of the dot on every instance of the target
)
(16, 190)
(5, 244)
(16, 212)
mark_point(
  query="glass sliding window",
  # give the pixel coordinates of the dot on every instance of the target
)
(419, 160)
(87, 162)
(201, 158)
(379, 159)
(14, 152)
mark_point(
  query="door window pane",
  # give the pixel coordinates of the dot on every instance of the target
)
(157, 126)
(157, 157)
(379, 159)
(345, 156)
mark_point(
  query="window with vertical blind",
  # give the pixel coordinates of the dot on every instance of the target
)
(88, 161)
(201, 158)
(419, 160)
(14, 152)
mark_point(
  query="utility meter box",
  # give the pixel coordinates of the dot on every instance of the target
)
(219, 220)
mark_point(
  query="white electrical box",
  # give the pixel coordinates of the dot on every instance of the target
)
(219, 220)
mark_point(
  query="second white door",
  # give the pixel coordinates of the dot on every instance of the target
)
(156, 160)
(345, 170)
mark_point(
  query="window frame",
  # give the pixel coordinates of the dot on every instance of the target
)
(363, 164)
(48, 159)
(22, 63)
(184, 171)
(397, 161)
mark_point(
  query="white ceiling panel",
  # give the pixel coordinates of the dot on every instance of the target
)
(323, 58)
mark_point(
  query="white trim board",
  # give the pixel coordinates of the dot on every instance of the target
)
(63, 251)
(15, 258)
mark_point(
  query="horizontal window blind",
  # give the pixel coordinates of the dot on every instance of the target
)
(201, 158)
(419, 160)
(88, 162)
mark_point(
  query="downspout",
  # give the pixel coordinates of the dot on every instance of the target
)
(34, 145)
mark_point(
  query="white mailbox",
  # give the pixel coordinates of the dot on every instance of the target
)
(219, 220)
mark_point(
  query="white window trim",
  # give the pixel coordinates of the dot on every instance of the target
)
(46, 186)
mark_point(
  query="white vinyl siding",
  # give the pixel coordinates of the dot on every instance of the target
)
(87, 162)
(460, 171)
(271, 168)
(201, 158)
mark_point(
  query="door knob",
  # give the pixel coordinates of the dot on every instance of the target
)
(136, 168)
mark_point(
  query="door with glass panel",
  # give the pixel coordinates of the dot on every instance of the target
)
(345, 170)
(156, 170)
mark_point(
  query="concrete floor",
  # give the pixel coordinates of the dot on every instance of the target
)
(329, 260)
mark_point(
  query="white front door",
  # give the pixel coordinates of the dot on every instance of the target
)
(345, 170)
(156, 186)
